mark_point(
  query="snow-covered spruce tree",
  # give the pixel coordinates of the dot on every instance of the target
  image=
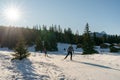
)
(88, 45)
(39, 44)
(21, 51)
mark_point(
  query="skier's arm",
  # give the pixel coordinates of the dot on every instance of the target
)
(72, 50)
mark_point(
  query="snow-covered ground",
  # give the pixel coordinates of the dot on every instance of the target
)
(54, 67)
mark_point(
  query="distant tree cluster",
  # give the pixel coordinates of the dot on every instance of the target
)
(49, 36)
(106, 39)
(40, 36)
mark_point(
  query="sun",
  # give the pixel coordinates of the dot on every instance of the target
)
(12, 13)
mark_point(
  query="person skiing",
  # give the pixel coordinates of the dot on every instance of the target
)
(45, 51)
(70, 51)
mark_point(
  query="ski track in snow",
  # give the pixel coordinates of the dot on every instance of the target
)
(5, 67)
(29, 70)
(53, 67)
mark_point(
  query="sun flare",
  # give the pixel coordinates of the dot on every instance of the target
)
(12, 13)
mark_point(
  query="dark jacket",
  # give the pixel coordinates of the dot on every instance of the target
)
(70, 49)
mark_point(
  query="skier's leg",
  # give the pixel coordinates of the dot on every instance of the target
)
(71, 56)
(45, 54)
(66, 55)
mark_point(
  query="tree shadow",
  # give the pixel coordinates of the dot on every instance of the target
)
(96, 65)
(27, 71)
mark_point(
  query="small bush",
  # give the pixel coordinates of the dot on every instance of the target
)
(104, 46)
(90, 52)
(113, 49)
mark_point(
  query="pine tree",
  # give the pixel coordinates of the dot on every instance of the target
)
(20, 50)
(76, 37)
(39, 44)
(50, 41)
(88, 46)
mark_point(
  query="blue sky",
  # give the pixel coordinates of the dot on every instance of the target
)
(102, 15)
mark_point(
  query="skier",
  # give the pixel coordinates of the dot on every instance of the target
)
(69, 51)
(45, 51)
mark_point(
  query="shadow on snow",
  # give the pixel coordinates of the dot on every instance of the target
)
(96, 65)
(26, 70)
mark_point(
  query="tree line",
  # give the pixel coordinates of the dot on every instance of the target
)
(49, 36)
